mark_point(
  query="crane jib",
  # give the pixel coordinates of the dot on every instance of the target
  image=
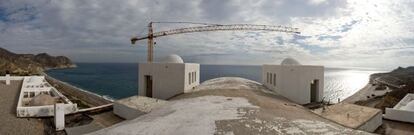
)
(230, 27)
(209, 27)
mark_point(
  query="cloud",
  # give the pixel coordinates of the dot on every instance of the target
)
(356, 33)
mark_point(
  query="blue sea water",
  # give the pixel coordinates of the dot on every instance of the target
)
(120, 80)
(110, 79)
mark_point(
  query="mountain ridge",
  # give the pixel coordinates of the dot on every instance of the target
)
(31, 64)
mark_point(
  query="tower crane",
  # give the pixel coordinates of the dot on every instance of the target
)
(207, 27)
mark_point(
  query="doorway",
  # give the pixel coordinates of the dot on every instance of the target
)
(148, 86)
(314, 90)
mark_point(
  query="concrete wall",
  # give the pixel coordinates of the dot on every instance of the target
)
(134, 106)
(43, 111)
(59, 117)
(194, 71)
(372, 124)
(294, 81)
(126, 112)
(400, 115)
(13, 78)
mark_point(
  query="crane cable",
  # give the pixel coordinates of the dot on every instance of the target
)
(187, 23)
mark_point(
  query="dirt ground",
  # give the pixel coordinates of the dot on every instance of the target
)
(397, 128)
(10, 124)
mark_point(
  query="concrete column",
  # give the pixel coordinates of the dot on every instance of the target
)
(7, 79)
(59, 117)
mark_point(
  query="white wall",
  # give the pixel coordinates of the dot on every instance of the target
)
(293, 81)
(372, 124)
(59, 117)
(43, 111)
(14, 78)
(194, 71)
(135, 106)
(125, 111)
(169, 79)
(400, 115)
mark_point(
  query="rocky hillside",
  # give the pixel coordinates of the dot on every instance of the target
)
(401, 77)
(404, 75)
(29, 64)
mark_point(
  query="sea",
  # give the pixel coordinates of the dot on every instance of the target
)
(120, 80)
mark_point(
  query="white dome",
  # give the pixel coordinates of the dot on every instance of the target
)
(290, 61)
(172, 59)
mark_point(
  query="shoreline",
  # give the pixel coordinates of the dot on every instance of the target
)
(91, 99)
(359, 95)
(367, 95)
(376, 101)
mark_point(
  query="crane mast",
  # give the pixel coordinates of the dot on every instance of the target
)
(209, 27)
(150, 43)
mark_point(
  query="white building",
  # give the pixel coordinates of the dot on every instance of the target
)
(403, 111)
(167, 78)
(300, 83)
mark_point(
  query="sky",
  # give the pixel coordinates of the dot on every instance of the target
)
(334, 33)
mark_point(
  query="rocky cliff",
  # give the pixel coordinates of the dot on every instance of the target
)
(29, 64)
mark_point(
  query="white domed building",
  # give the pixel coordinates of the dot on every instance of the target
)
(168, 77)
(300, 83)
(173, 58)
(290, 61)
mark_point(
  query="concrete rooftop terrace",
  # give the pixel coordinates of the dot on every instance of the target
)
(349, 115)
(229, 106)
(10, 124)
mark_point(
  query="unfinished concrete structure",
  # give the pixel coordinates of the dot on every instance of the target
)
(167, 78)
(300, 83)
(403, 111)
(37, 98)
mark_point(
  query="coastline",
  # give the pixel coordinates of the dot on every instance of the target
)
(94, 112)
(376, 97)
(89, 98)
(367, 96)
(360, 94)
